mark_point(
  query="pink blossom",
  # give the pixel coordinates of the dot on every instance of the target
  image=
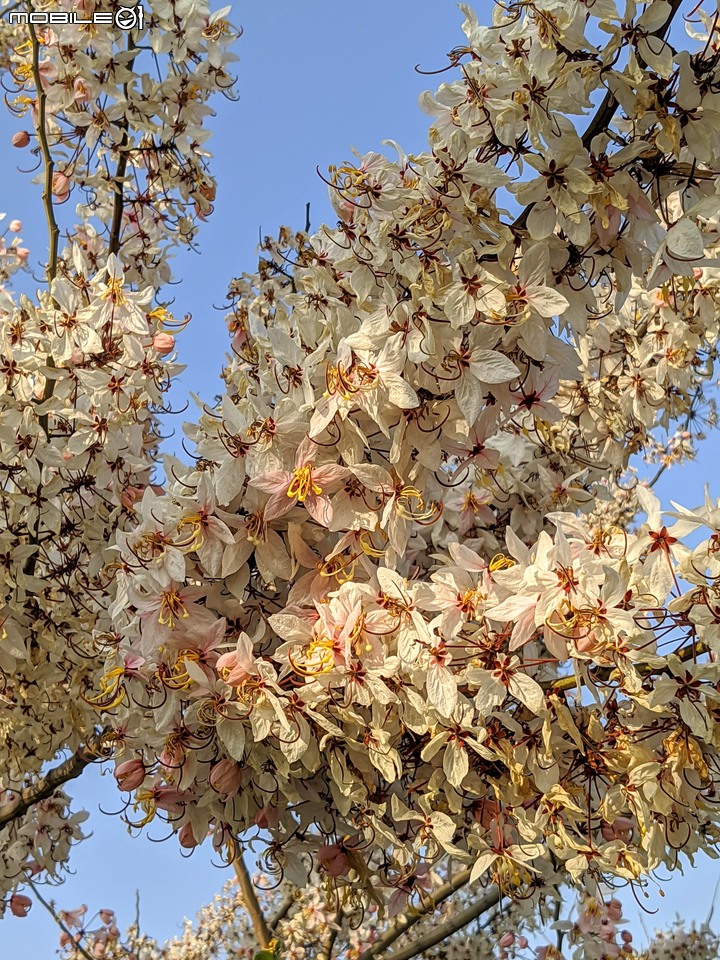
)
(306, 484)
(60, 187)
(73, 918)
(333, 860)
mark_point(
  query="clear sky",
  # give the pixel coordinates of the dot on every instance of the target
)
(316, 78)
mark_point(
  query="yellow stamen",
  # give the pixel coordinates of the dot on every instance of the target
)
(500, 562)
(110, 687)
(171, 607)
(114, 292)
(180, 679)
(301, 485)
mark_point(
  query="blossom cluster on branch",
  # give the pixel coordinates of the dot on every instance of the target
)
(397, 612)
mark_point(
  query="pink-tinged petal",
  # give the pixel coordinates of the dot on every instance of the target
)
(278, 505)
(329, 475)
(274, 482)
(319, 509)
(524, 629)
(306, 452)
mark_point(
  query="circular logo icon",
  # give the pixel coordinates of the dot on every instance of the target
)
(128, 18)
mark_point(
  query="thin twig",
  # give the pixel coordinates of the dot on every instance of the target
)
(51, 910)
(326, 952)
(49, 163)
(281, 912)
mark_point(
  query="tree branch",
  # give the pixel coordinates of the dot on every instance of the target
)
(445, 930)
(120, 171)
(282, 911)
(605, 112)
(401, 926)
(47, 195)
(252, 904)
(326, 952)
(44, 788)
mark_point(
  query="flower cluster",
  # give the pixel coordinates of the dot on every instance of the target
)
(369, 619)
(395, 614)
(112, 121)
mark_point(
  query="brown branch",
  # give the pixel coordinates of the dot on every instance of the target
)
(49, 163)
(121, 170)
(462, 919)
(44, 788)
(401, 926)
(606, 111)
(326, 952)
(251, 904)
(282, 911)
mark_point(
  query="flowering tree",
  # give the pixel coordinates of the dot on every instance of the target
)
(406, 613)
(306, 927)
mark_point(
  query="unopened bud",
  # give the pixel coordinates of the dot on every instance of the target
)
(20, 139)
(164, 343)
(60, 186)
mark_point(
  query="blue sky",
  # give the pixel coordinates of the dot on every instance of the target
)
(315, 79)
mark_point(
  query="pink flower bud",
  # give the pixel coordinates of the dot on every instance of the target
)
(22, 253)
(15, 226)
(60, 186)
(186, 837)
(20, 139)
(130, 774)
(107, 916)
(626, 936)
(164, 343)
(522, 943)
(226, 778)
(614, 908)
(506, 940)
(20, 905)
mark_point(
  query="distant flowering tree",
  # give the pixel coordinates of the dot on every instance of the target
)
(306, 927)
(399, 616)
